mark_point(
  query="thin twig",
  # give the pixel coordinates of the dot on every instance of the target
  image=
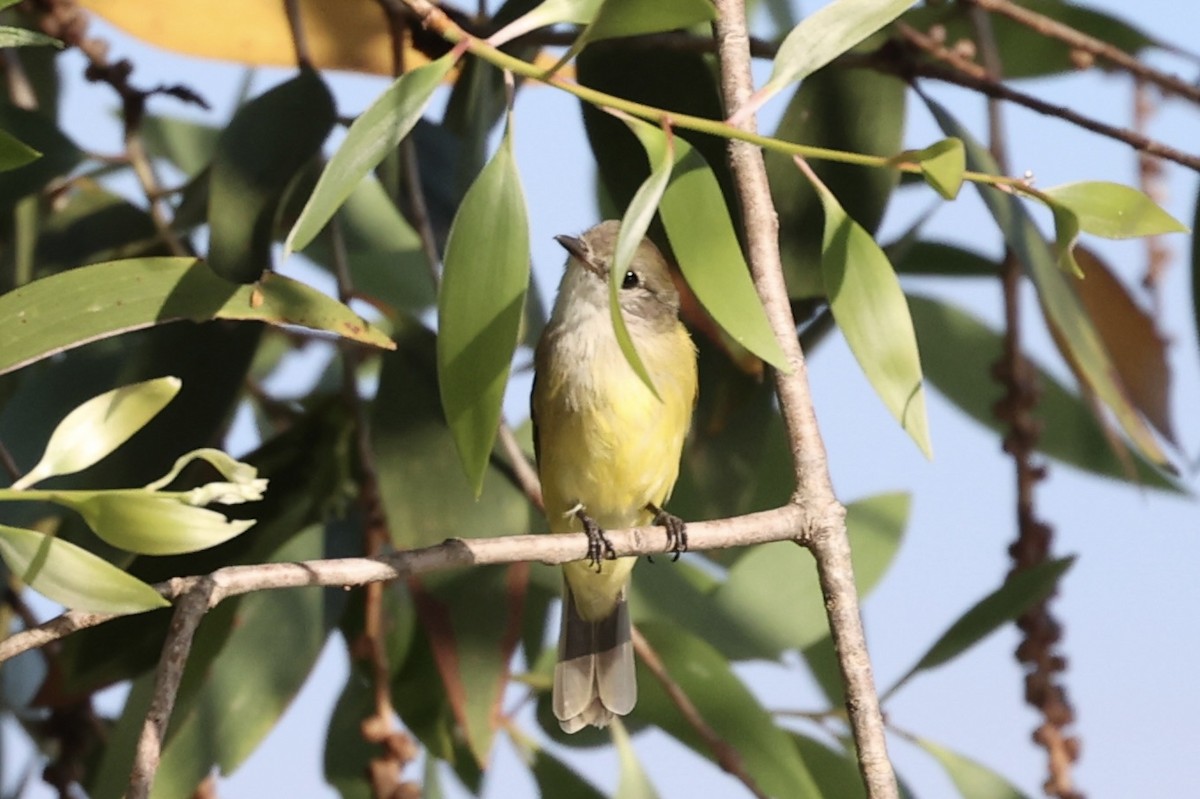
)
(1098, 48)
(779, 524)
(885, 61)
(726, 753)
(299, 37)
(189, 610)
(523, 472)
(828, 540)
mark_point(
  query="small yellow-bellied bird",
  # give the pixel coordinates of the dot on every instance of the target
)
(608, 454)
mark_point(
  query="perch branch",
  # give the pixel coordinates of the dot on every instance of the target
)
(779, 524)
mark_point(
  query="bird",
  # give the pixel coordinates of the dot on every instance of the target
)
(608, 453)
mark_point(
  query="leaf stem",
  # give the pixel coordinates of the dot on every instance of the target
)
(440, 23)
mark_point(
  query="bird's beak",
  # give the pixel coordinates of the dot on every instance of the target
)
(580, 251)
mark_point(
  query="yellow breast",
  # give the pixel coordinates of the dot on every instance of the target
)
(605, 441)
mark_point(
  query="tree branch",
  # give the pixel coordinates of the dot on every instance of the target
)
(1097, 48)
(814, 491)
(779, 524)
(189, 610)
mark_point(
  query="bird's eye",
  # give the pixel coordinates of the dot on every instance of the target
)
(630, 281)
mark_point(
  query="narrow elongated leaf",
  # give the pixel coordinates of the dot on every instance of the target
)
(21, 37)
(1113, 210)
(1063, 309)
(375, 133)
(259, 153)
(59, 154)
(480, 306)
(866, 300)
(548, 12)
(706, 246)
(1025, 51)
(618, 18)
(144, 522)
(1131, 336)
(821, 37)
(99, 426)
(923, 257)
(661, 152)
(72, 576)
(1019, 592)
(15, 153)
(65, 310)
(958, 360)
(772, 594)
(726, 704)
(187, 144)
(634, 783)
(424, 489)
(555, 778)
(244, 693)
(973, 780)
(853, 109)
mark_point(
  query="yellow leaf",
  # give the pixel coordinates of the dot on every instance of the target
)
(348, 35)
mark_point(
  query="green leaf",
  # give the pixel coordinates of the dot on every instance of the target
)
(726, 704)
(387, 261)
(821, 37)
(1061, 306)
(555, 778)
(150, 523)
(347, 756)
(923, 257)
(1113, 210)
(854, 109)
(1019, 592)
(244, 693)
(866, 300)
(375, 133)
(942, 165)
(959, 351)
(1024, 51)
(634, 224)
(63, 311)
(973, 780)
(265, 145)
(15, 153)
(186, 144)
(425, 492)
(21, 37)
(709, 254)
(480, 306)
(100, 425)
(772, 593)
(38, 131)
(634, 783)
(836, 772)
(479, 609)
(72, 576)
(621, 18)
(548, 12)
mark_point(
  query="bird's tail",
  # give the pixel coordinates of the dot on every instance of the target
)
(594, 678)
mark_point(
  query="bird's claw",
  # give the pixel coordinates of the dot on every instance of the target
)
(677, 542)
(599, 547)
